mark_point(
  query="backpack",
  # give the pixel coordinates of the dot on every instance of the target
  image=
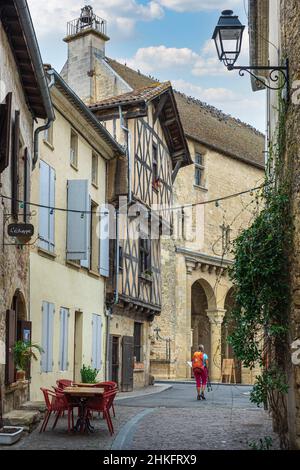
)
(198, 360)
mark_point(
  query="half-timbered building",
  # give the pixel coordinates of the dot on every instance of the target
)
(146, 122)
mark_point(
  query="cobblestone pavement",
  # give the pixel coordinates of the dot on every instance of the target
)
(226, 420)
(172, 419)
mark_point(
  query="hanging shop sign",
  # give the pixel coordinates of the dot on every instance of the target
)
(21, 231)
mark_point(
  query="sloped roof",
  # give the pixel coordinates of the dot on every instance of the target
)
(162, 96)
(206, 124)
(17, 23)
(144, 94)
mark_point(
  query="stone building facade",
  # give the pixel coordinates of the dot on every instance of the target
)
(278, 21)
(24, 97)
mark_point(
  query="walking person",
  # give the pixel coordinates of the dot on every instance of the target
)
(200, 371)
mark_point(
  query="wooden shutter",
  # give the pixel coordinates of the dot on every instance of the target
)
(10, 341)
(5, 131)
(51, 213)
(47, 336)
(63, 349)
(27, 178)
(50, 337)
(86, 263)
(127, 363)
(77, 222)
(97, 341)
(110, 357)
(104, 243)
(15, 167)
(46, 215)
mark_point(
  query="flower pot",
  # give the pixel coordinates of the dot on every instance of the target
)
(20, 375)
(10, 435)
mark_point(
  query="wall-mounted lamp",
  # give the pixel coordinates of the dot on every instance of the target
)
(228, 35)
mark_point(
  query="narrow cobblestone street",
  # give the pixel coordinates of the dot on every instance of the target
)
(172, 419)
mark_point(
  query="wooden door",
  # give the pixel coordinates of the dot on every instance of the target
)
(127, 363)
(10, 341)
(115, 363)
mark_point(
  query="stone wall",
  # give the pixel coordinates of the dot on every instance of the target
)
(14, 261)
(290, 39)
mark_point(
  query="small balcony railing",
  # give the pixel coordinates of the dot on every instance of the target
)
(81, 24)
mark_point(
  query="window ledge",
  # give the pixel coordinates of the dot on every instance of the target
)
(74, 166)
(146, 278)
(94, 273)
(51, 147)
(73, 265)
(46, 253)
(201, 188)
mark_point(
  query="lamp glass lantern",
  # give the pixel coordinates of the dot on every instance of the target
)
(228, 36)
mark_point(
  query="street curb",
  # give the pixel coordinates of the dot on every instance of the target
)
(192, 382)
(137, 395)
(126, 433)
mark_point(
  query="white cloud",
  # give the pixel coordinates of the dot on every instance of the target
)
(121, 15)
(198, 5)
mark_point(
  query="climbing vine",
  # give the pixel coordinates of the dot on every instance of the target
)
(260, 276)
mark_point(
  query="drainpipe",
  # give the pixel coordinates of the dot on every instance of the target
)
(42, 128)
(125, 129)
(109, 317)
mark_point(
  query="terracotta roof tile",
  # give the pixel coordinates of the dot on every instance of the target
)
(146, 94)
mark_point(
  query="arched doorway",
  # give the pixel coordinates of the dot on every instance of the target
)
(227, 329)
(201, 300)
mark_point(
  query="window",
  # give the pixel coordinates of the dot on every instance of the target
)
(46, 214)
(121, 259)
(155, 179)
(199, 170)
(15, 186)
(138, 341)
(5, 131)
(48, 135)
(74, 149)
(97, 341)
(63, 343)
(95, 169)
(115, 128)
(144, 255)
(78, 223)
(47, 336)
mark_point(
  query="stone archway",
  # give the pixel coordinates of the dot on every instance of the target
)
(227, 329)
(19, 306)
(199, 319)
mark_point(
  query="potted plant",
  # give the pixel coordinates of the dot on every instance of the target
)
(8, 434)
(23, 352)
(88, 375)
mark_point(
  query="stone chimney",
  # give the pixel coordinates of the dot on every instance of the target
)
(86, 38)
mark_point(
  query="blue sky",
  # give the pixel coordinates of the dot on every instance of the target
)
(167, 39)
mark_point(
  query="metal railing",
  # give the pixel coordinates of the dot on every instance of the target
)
(81, 24)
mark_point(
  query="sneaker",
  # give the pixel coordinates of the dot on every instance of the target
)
(198, 397)
(203, 397)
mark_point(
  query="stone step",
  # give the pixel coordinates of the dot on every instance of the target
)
(34, 406)
(27, 419)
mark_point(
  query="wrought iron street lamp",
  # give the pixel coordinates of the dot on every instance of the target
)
(228, 35)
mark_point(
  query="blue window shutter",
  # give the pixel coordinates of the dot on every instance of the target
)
(44, 201)
(50, 337)
(77, 230)
(63, 343)
(94, 341)
(44, 355)
(86, 263)
(104, 242)
(99, 342)
(51, 204)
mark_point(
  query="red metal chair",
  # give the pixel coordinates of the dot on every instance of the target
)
(103, 404)
(63, 383)
(57, 403)
(107, 387)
